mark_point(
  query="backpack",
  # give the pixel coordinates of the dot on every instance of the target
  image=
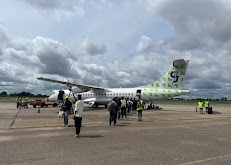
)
(109, 106)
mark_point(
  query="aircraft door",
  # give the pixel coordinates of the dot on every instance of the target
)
(138, 94)
(60, 95)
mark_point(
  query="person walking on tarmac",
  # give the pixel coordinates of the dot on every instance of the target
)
(17, 100)
(118, 106)
(206, 105)
(66, 108)
(78, 114)
(112, 108)
(139, 109)
(123, 108)
(200, 106)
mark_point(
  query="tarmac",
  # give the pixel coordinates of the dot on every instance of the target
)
(175, 135)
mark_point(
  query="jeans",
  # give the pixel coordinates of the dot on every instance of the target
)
(118, 113)
(66, 118)
(129, 109)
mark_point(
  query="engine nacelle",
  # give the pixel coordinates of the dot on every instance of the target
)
(77, 90)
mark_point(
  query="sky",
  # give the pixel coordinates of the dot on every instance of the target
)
(114, 43)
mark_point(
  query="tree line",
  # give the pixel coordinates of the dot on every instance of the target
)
(22, 94)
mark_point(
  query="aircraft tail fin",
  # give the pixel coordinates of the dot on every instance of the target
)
(174, 78)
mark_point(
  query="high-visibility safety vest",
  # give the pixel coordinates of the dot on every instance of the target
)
(123, 103)
(139, 106)
(206, 104)
(200, 104)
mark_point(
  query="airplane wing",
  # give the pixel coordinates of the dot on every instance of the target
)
(82, 87)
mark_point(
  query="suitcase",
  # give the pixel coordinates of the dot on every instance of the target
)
(210, 110)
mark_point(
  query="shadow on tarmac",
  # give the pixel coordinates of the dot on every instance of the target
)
(123, 124)
(215, 112)
(91, 136)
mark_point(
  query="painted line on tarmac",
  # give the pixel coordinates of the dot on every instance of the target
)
(193, 118)
(49, 125)
(205, 160)
(91, 123)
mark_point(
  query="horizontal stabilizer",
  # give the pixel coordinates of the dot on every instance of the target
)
(179, 62)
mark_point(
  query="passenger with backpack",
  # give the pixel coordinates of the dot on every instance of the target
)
(112, 108)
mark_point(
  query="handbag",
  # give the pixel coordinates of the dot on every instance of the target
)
(61, 113)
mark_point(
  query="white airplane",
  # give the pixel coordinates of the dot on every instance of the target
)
(168, 86)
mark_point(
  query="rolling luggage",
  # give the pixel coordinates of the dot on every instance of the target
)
(210, 110)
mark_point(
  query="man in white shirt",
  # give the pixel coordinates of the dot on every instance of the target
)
(78, 113)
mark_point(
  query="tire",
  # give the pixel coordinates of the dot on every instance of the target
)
(42, 105)
(54, 105)
(34, 105)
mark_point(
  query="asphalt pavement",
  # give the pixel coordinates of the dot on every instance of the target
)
(177, 134)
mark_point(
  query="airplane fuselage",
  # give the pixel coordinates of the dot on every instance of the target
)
(105, 96)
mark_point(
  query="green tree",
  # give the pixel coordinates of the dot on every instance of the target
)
(4, 93)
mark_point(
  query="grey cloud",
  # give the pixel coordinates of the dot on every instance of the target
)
(204, 84)
(53, 56)
(196, 22)
(88, 47)
(68, 8)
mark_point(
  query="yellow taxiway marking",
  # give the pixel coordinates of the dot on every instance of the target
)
(91, 123)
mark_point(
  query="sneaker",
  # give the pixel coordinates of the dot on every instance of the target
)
(67, 126)
(76, 136)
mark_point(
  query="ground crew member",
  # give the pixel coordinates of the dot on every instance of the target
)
(200, 106)
(66, 108)
(123, 108)
(139, 109)
(206, 104)
(26, 99)
(17, 100)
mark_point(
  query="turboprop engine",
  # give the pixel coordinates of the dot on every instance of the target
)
(75, 90)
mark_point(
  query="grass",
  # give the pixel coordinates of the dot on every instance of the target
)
(13, 98)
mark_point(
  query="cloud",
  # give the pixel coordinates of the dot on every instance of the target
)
(146, 45)
(53, 56)
(60, 7)
(196, 22)
(204, 84)
(87, 47)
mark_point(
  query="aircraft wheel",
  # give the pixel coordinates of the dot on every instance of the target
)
(43, 104)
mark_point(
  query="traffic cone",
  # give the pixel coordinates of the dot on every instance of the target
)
(39, 110)
(196, 109)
